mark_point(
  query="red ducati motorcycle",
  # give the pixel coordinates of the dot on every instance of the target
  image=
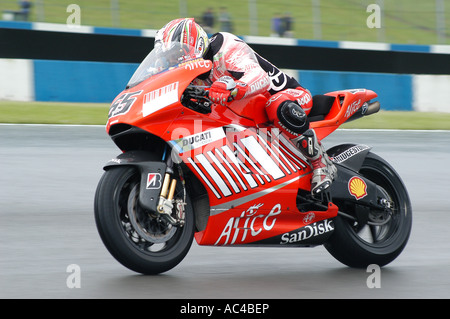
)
(222, 175)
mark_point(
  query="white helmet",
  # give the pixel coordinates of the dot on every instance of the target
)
(186, 32)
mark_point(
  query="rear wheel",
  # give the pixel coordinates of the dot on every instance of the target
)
(140, 240)
(385, 234)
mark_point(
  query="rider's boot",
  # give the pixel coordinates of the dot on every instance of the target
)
(324, 170)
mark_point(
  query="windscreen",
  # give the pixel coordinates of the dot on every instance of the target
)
(160, 59)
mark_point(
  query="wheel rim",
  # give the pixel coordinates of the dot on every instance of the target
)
(145, 231)
(382, 228)
(148, 226)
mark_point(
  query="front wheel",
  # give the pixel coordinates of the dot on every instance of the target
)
(386, 233)
(138, 239)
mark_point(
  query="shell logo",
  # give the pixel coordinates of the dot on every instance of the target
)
(357, 187)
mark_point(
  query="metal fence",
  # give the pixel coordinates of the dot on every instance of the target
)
(400, 21)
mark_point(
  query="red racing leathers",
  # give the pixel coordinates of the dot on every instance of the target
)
(237, 66)
(253, 75)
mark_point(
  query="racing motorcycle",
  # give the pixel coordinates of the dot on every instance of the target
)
(190, 168)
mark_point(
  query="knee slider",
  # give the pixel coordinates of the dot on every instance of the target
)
(292, 117)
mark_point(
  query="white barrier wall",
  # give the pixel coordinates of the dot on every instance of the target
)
(16, 80)
(431, 93)
(46, 80)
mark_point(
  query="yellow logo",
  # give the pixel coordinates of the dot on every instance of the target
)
(357, 187)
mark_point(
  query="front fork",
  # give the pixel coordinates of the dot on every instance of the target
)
(166, 198)
(158, 200)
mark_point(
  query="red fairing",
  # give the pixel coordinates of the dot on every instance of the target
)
(346, 104)
(251, 171)
(252, 179)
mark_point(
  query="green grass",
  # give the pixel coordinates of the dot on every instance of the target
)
(96, 114)
(403, 21)
(402, 121)
(53, 113)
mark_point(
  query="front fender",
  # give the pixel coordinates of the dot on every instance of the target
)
(152, 171)
(132, 158)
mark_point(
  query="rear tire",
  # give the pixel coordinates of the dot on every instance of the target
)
(118, 187)
(362, 245)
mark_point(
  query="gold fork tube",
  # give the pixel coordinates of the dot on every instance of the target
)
(165, 186)
(172, 189)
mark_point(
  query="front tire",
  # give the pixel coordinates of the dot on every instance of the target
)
(116, 202)
(382, 241)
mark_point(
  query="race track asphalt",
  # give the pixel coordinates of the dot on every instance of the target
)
(48, 176)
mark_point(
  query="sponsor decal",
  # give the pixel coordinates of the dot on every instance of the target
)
(305, 99)
(278, 79)
(352, 108)
(352, 151)
(364, 108)
(115, 160)
(198, 63)
(307, 232)
(357, 187)
(354, 91)
(272, 99)
(259, 84)
(309, 217)
(248, 223)
(198, 140)
(160, 98)
(154, 181)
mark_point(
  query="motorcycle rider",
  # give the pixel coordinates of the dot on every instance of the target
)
(239, 72)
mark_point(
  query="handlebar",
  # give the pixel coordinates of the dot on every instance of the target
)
(196, 98)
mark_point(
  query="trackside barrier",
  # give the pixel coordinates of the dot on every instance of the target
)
(48, 62)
